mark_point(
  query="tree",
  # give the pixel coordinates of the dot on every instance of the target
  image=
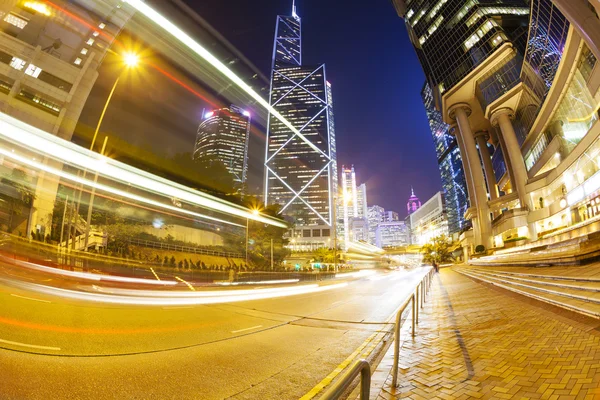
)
(262, 235)
(439, 250)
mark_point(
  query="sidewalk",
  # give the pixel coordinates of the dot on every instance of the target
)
(478, 342)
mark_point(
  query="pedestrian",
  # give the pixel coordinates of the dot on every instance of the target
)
(436, 267)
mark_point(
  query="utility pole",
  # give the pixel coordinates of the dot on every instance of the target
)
(247, 238)
(271, 255)
(91, 204)
(62, 225)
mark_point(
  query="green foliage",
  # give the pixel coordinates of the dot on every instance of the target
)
(323, 255)
(439, 250)
(479, 248)
(25, 194)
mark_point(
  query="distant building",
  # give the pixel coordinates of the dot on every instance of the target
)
(429, 221)
(413, 203)
(391, 216)
(391, 234)
(224, 134)
(375, 215)
(354, 208)
(50, 53)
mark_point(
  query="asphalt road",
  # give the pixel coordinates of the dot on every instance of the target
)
(53, 347)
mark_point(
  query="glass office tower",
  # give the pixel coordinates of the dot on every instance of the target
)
(300, 163)
(449, 163)
(224, 135)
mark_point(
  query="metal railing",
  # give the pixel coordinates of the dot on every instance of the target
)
(185, 249)
(414, 298)
(363, 367)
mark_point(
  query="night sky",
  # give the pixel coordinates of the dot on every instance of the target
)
(381, 125)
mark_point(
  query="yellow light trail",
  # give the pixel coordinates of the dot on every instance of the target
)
(187, 283)
(184, 38)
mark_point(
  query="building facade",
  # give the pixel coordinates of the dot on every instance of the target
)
(523, 80)
(353, 207)
(224, 135)
(429, 221)
(449, 163)
(301, 163)
(391, 234)
(50, 53)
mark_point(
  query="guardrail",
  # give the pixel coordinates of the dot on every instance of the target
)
(363, 367)
(424, 285)
(185, 249)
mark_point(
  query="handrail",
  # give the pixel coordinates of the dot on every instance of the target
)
(414, 298)
(337, 389)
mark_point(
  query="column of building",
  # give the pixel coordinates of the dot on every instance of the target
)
(482, 224)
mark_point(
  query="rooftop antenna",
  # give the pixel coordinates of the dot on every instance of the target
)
(294, 9)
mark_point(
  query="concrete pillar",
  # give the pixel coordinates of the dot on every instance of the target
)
(482, 137)
(584, 21)
(502, 118)
(460, 113)
(467, 171)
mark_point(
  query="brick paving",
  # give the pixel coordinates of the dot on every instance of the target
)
(475, 342)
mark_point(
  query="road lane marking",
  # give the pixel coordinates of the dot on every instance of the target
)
(156, 276)
(187, 283)
(337, 302)
(30, 298)
(31, 346)
(247, 329)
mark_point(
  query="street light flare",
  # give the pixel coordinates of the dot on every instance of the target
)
(131, 60)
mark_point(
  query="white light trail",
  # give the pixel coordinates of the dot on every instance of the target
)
(200, 298)
(184, 38)
(53, 147)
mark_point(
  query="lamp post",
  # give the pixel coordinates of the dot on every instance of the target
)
(130, 60)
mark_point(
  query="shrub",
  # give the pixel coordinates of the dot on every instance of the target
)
(479, 248)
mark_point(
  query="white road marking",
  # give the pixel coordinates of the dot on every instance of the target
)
(30, 298)
(247, 329)
(337, 302)
(32, 346)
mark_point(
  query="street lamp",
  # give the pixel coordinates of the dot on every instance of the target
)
(131, 60)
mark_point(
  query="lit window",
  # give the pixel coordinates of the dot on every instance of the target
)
(17, 63)
(102, 25)
(32, 70)
(77, 61)
(84, 51)
(96, 33)
(90, 42)
(16, 20)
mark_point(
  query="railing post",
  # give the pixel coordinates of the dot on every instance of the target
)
(414, 312)
(396, 348)
(416, 306)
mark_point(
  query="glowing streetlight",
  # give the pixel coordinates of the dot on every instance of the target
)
(131, 60)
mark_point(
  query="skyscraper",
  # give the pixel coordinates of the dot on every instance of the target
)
(515, 77)
(449, 164)
(300, 160)
(224, 135)
(353, 208)
(413, 203)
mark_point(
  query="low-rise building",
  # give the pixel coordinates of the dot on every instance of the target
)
(429, 221)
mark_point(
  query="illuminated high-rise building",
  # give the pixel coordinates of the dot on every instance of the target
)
(515, 81)
(300, 162)
(224, 134)
(413, 203)
(354, 208)
(449, 163)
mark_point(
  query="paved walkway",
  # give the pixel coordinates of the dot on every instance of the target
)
(478, 342)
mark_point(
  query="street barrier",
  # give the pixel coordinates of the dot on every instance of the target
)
(363, 367)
